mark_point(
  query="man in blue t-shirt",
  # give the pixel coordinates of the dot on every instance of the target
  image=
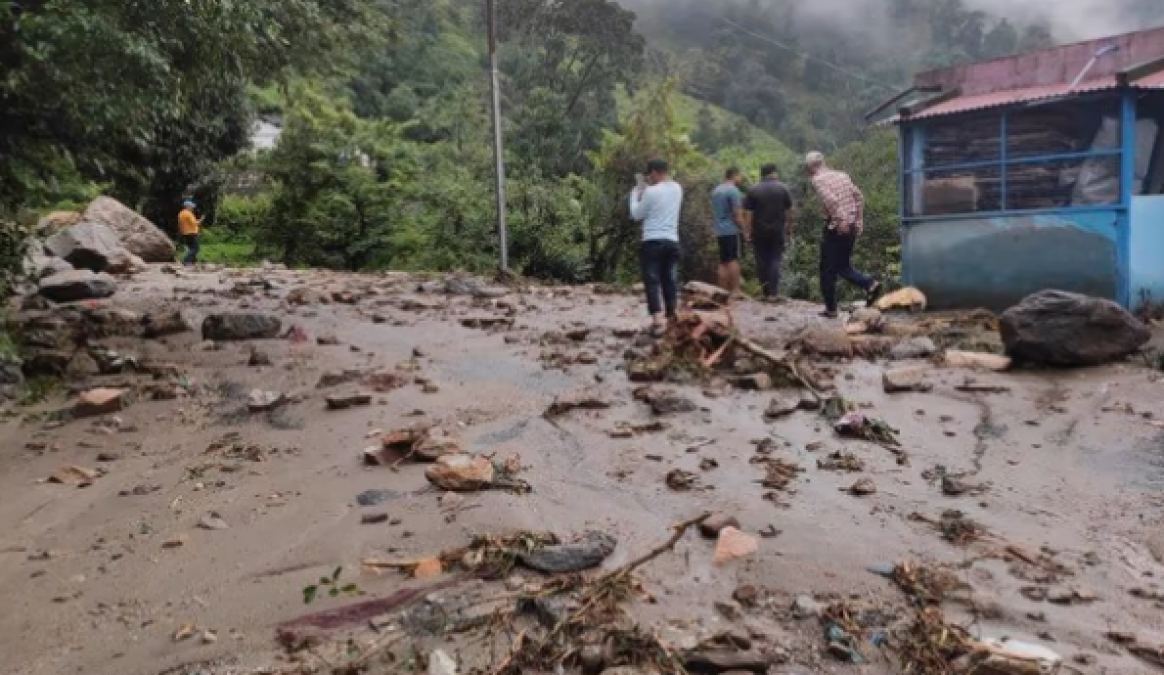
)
(727, 209)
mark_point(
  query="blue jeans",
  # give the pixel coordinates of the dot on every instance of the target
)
(836, 253)
(192, 248)
(660, 263)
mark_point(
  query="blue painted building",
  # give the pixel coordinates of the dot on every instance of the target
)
(1044, 170)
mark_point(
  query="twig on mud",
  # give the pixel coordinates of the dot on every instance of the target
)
(605, 588)
(677, 533)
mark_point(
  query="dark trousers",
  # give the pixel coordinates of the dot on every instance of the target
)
(836, 253)
(660, 263)
(192, 248)
(769, 250)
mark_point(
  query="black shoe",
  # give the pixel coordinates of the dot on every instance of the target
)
(830, 314)
(874, 293)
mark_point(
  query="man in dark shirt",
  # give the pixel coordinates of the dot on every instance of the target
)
(769, 217)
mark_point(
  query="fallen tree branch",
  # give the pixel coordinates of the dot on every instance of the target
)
(677, 533)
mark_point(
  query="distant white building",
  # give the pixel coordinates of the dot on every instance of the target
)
(265, 135)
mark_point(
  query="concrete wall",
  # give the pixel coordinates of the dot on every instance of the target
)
(995, 262)
(1146, 250)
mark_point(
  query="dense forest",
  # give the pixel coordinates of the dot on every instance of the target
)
(384, 156)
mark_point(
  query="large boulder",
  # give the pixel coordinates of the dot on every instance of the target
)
(88, 245)
(240, 326)
(138, 235)
(77, 285)
(1057, 328)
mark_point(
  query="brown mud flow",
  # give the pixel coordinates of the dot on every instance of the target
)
(289, 472)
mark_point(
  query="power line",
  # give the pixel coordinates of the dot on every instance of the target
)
(808, 57)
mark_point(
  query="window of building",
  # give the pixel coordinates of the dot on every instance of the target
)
(1047, 156)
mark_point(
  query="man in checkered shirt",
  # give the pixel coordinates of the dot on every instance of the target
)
(845, 206)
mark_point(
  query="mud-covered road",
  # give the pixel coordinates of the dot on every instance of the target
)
(208, 521)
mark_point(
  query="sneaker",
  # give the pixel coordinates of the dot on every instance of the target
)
(874, 293)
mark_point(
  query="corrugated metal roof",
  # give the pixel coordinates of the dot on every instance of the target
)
(966, 104)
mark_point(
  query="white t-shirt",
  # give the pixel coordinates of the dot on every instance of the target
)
(659, 210)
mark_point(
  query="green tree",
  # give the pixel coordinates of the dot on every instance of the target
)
(340, 187)
(136, 92)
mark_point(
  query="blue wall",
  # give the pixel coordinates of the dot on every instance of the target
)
(1146, 250)
(994, 262)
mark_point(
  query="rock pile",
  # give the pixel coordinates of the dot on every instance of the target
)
(80, 250)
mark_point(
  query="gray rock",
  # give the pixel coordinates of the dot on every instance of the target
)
(376, 497)
(37, 267)
(88, 245)
(905, 379)
(160, 324)
(440, 663)
(1057, 328)
(241, 326)
(584, 554)
(138, 235)
(913, 348)
(805, 606)
(77, 285)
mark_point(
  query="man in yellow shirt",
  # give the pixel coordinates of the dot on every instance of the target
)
(189, 227)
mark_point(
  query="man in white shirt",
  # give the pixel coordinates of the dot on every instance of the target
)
(658, 204)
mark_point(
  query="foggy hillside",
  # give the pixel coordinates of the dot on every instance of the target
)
(1068, 19)
(806, 71)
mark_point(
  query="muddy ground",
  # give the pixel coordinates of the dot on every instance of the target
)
(1066, 468)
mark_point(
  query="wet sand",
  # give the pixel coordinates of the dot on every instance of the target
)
(1070, 464)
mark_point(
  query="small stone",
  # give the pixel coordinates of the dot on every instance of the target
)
(863, 488)
(184, 632)
(593, 657)
(461, 473)
(209, 637)
(905, 379)
(430, 388)
(346, 401)
(74, 475)
(212, 521)
(258, 358)
(746, 595)
(108, 457)
(782, 407)
(373, 518)
(805, 606)
(712, 526)
(913, 348)
(1121, 637)
(100, 402)
(327, 340)
(733, 545)
(427, 568)
(587, 552)
(174, 542)
(376, 497)
(431, 448)
(263, 401)
(440, 663)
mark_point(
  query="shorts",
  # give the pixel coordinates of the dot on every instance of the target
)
(729, 249)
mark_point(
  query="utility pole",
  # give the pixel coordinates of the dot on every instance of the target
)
(498, 138)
